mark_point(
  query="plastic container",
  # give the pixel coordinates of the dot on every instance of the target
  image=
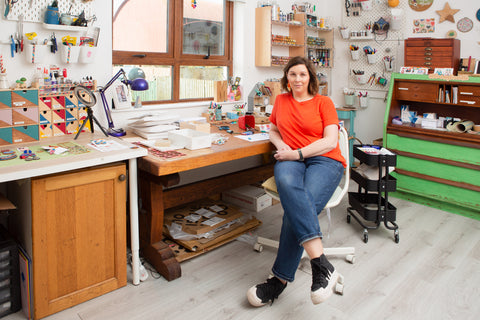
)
(372, 58)
(349, 99)
(355, 54)
(36, 53)
(361, 78)
(10, 300)
(87, 54)
(69, 54)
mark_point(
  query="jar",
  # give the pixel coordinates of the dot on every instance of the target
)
(52, 15)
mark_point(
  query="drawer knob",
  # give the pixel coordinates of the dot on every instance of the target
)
(428, 49)
(122, 177)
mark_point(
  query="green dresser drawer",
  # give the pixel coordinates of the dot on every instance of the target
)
(434, 149)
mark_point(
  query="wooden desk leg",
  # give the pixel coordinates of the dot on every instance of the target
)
(151, 227)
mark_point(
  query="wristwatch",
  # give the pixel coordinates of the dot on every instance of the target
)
(300, 154)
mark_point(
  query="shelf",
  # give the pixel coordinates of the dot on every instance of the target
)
(287, 24)
(61, 27)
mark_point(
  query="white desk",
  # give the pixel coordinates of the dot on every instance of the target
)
(93, 158)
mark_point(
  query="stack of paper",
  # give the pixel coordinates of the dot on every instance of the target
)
(153, 126)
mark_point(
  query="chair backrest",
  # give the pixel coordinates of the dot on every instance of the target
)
(342, 189)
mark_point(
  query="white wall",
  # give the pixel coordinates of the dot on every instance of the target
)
(368, 122)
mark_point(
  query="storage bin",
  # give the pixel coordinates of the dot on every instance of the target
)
(69, 54)
(87, 54)
(10, 300)
(372, 58)
(36, 53)
(190, 139)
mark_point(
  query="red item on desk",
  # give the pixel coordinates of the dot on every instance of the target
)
(246, 122)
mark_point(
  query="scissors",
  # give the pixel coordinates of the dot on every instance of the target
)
(9, 4)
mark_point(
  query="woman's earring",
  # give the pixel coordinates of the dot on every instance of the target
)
(288, 87)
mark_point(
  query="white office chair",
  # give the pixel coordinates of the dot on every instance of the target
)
(340, 191)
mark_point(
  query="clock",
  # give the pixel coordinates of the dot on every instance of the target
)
(465, 24)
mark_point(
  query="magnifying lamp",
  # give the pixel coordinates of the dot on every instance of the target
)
(138, 84)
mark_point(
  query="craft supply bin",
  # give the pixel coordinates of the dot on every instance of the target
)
(10, 301)
(370, 203)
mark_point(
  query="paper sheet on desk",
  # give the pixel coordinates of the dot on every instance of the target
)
(106, 145)
(254, 137)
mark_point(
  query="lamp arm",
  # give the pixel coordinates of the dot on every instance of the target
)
(115, 77)
(107, 109)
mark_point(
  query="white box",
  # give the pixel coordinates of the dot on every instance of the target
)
(248, 197)
(190, 139)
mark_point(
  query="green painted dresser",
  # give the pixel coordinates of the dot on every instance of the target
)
(436, 167)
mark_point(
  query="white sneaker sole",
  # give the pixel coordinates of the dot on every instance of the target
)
(321, 294)
(252, 297)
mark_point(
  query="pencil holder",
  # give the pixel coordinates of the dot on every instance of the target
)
(388, 65)
(363, 102)
(87, 54)
(372, 58)
(349, 99)
(69, 54)
(355, 54)
(361, 78)
(345, 33)
(36, 53)
(367, 5)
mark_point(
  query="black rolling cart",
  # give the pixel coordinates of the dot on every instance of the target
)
(370, 206)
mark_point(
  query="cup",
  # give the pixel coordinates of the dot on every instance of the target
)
(3, 81)
(87, 54)
(361, 78)
(355, 54)
(363, 102)
(69, 54)
(349, 99)
(345, 33)
(367, 5)
(36, 53)
(372, 58)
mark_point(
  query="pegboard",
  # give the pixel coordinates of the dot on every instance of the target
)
(34, 10)
(386, 44)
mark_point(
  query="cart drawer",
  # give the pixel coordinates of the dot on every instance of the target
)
(366, 204)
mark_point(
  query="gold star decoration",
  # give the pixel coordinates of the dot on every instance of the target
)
(447, 13)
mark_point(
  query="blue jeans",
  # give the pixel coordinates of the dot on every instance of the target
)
(304, 189)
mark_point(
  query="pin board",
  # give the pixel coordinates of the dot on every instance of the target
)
(34, 10)
(357, 15)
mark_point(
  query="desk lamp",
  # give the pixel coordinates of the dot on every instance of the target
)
(138, 84)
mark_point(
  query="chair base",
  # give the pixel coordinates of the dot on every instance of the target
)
(348, 252)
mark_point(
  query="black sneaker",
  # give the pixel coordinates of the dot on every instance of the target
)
(324, 278)
(260, 294)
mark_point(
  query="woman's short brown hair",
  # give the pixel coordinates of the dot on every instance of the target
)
(312, 84)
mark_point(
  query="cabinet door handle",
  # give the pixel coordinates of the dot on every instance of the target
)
(428, 49)
(467, 102)
(428, 58)
(399, 88)
(467, 93)
(428, 53)
(122, 177)
(428, 63)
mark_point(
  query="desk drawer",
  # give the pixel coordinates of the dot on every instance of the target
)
(414, 91)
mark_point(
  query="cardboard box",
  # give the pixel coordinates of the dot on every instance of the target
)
(248, 197)
(190, 139)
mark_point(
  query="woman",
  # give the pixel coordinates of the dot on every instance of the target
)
(304, 130)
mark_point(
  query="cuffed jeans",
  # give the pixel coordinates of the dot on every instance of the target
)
(304, 189)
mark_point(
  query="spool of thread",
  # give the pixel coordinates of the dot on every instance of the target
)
(476, 128)
(465, 125)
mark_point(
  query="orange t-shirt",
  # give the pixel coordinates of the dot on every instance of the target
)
(301, 123)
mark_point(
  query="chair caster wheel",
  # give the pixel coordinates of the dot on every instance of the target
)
(350, 258)
(339, 289)
(340, 279)
(258, 247)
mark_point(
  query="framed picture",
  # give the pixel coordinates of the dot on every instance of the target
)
(121, 96)
(413, 70)
(444, 71)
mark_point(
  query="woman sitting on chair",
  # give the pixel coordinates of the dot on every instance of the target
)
(308, 169)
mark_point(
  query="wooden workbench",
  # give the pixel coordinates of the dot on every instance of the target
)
(158, 178)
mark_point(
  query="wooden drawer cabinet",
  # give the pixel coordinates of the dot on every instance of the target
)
(432, 53)
(415, 91)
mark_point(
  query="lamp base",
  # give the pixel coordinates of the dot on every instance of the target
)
(116, 132)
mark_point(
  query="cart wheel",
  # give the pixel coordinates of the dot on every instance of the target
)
(350, 258)
(348, 218)
(258, 247)
(339, 288)
(397, 238)
(365, 237)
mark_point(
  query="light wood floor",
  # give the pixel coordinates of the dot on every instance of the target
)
(433, 273)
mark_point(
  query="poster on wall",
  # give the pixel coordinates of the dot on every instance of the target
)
(424, 25)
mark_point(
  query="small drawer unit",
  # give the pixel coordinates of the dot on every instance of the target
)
(10, 300)
(432, 53)
(370, 206)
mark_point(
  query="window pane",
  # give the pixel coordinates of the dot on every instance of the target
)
(197, 82)
(140, 25)
(204, 27)
(159, 82)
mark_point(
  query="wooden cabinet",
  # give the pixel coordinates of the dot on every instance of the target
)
(432, 53)
(78, 236)
(289, 39)
(436, 167)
